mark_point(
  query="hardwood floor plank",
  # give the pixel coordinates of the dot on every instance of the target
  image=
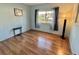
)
(35, 43)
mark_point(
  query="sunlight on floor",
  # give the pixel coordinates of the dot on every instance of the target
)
(44, 43)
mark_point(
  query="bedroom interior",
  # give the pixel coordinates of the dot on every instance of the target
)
(39, 29)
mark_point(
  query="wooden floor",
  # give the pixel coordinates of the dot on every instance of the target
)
(35, 43)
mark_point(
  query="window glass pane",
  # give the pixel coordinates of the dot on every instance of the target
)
(41, 16)
(45, 16)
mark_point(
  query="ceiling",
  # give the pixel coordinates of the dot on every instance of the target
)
(33, 4)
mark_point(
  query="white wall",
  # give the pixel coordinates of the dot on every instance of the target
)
(64, 9)
(74, 39)
(8, 20)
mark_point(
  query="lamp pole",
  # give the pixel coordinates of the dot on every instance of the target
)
(64, 28)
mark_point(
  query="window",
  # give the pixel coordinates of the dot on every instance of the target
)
(45, 16)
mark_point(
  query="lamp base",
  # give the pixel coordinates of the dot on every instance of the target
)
(62, 37)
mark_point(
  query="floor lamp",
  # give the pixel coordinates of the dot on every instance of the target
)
(64, 28)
